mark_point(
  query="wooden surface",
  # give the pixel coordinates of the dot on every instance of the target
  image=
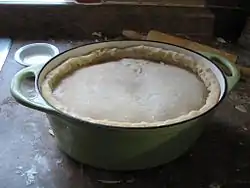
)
(158, 36)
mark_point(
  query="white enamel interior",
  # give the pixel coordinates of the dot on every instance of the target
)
(121, 44)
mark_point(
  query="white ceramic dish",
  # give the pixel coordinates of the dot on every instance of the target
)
(35, 53)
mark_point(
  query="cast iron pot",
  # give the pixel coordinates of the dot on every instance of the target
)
(119, 148)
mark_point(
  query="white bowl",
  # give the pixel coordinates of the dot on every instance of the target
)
(35, 53)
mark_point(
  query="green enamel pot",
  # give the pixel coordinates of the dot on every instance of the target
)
(119, 148)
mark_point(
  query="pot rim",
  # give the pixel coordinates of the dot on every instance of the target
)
(133, 128)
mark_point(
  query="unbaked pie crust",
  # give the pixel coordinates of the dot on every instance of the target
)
(156, 55)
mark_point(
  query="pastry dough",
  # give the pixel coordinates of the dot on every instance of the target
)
(138, 86)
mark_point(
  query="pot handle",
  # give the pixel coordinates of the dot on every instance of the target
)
(35, 102)
(234, 72)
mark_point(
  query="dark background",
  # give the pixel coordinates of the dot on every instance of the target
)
(230, 17)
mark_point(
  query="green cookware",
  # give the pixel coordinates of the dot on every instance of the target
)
(119, 148)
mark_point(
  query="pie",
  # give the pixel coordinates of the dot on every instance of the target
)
(138, 86)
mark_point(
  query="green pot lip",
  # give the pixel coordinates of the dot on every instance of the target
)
(64, 115)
